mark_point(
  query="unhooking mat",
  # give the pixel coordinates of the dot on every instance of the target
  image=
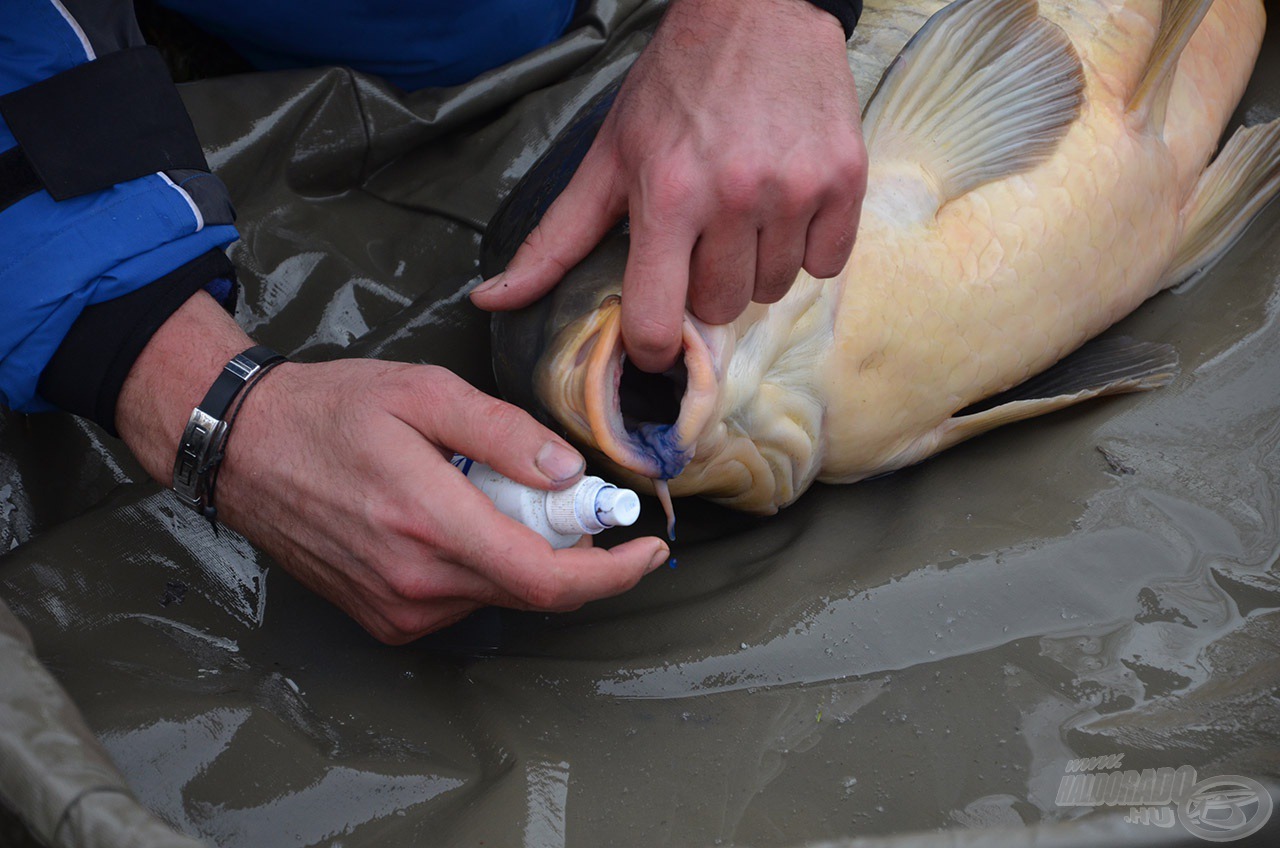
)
(925, 652)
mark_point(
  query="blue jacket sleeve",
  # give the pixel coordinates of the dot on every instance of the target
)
(63, 262)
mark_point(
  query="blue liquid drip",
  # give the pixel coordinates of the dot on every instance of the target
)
(659, 441)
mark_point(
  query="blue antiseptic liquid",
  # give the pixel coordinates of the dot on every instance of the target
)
(659, 442)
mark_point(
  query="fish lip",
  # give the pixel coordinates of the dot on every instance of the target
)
(662, 451)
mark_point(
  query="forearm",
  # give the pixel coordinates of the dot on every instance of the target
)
(109, 218)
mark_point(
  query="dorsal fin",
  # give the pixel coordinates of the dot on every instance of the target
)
(983, 91)
(1178, 23)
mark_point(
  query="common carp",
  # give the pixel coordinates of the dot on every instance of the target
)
(1037, 171)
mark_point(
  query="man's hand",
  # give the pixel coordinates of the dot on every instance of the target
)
(341, 472)
(735, 147)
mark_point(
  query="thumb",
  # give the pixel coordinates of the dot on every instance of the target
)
(572, 226)
(455, 416)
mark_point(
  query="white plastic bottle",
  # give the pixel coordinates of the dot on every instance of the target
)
(562, 518)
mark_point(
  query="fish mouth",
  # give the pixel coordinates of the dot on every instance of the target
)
(648, 424)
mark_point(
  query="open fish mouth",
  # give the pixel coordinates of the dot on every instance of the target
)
(648, 424)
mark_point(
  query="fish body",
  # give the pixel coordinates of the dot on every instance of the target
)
(1037, 170)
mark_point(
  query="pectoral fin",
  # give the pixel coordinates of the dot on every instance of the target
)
(983, 91)
(1102, 367)
(1177, 24)
(1236, 187)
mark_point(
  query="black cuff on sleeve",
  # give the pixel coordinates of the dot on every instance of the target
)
(846, 11)
(104, 122)
(89, 368)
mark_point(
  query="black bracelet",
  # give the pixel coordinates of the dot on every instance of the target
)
(203, 445)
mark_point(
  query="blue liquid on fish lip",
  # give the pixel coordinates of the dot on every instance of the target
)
(659, 441)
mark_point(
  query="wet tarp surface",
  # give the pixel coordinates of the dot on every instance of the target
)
(923, 651)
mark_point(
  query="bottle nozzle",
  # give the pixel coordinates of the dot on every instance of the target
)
(617, 507)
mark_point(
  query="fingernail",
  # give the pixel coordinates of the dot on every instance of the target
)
(558, 462)
(659, 557)
(490, 283)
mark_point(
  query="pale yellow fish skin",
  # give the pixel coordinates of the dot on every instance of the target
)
(1012, 276)
(1226, 42)
(941, 307)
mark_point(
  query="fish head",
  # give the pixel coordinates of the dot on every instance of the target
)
(719, 423)
(738, 419)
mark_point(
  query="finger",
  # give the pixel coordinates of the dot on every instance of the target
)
(452, 520)
(723, 272)
(451, 413)
(436, 511)
(526, 573)
(654, 290)
(831, 234)
(585, 211)
(521, 563)
(517, 560)
(781, 253)
(418, 581)
(579, 575)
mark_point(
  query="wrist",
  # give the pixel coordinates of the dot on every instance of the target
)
(204, 442)
(170, 378)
